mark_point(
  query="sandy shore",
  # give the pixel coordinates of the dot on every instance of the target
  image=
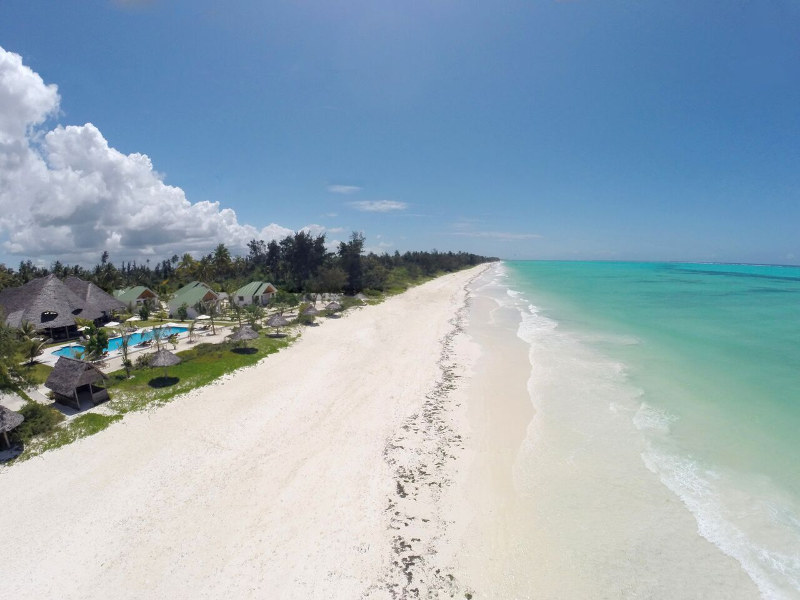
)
(392, 453)
(326, 471)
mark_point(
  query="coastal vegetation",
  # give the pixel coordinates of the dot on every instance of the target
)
(137, 388)
(299, 263)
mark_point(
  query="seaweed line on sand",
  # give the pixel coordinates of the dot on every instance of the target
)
(418, 456)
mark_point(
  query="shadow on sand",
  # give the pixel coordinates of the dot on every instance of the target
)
(162, 382)
(276, 335)
(11, 453)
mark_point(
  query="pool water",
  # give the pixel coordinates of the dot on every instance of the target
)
(70, 351)
(142, 336)
(76, 350)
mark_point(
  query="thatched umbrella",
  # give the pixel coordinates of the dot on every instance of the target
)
(164, 358)
(244, 333)
(333, 307)
(360, 296)
(8, 421)
(310, 311)
(277, 321)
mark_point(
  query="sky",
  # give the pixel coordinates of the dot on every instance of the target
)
(616, 130)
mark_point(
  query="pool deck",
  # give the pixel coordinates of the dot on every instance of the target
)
(113, 361)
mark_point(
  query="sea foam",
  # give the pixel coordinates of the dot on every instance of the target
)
(572, 377)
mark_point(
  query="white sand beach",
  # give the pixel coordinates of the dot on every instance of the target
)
(321, 472)
(386, 454)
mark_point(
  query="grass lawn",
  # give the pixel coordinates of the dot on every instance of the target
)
(147, 387)
(200, 365)
(36, 373)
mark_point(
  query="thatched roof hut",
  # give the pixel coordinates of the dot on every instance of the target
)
(333, 306)
(95, 296)
(8, 421)
(72, 380)
(52, 305)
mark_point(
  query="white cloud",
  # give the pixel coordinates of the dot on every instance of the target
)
(25, 100)
(379, 205)
(67, 193)
(343, 189)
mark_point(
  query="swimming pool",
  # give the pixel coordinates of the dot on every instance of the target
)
(75, 350)
(142, 336)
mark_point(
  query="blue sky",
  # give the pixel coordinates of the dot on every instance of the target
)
(576, 130)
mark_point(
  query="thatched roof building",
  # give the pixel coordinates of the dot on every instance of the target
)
(95, 296)
(72, 381)
(8, 421)
(52, 305)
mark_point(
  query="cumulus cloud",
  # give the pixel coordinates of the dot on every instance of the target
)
(343, 189)
(379, 205)
(66, 193)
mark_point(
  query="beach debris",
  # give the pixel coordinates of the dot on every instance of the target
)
(421, 477)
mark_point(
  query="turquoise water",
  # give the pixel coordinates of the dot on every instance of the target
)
(711, 353)
(139, 337)
(75, 351)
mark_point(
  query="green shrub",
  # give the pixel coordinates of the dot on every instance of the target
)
(39, 419)
(143, 361)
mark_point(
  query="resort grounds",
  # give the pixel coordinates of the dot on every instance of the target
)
(321, 471)
(386, 454)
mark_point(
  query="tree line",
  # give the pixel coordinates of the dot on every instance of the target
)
(300, 262)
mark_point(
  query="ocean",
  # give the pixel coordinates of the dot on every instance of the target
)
(665, 385)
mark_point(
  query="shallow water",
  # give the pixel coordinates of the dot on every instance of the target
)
(667, 383)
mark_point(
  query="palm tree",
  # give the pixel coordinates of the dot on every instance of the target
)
(222, 261)
(32, 344)
(210, 308)
(97, 342)
(253, 313)
(125, 339)
(186, 267)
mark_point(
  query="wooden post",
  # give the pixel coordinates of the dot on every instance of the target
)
(5, 437)
(77, 401)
